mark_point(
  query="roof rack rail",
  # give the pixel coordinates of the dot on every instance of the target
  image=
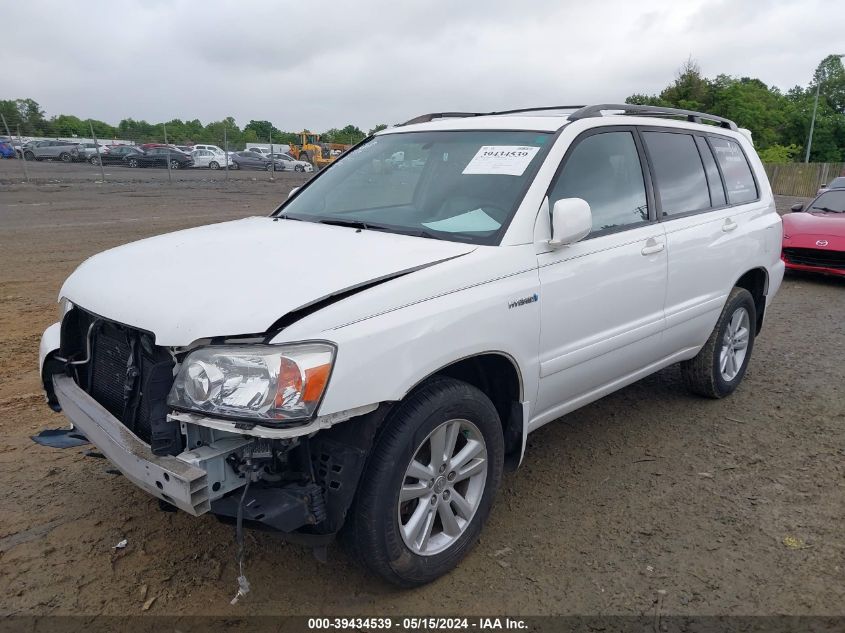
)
(647, 110)
(540, 109)
(425, 118)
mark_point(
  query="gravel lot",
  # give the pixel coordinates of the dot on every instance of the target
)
(730, 507)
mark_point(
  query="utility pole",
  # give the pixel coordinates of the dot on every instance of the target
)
(97, 146)
(226, 150)
(813, 120)
(272, 160)
(169, 173)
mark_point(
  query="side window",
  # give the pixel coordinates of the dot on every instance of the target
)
(678, 172)
(714, 180)
(605, 170)
(739, 180)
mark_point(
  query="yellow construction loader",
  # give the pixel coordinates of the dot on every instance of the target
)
(311, 149)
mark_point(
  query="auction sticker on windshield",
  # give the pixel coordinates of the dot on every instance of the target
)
(506, 160)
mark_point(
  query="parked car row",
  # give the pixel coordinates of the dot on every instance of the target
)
(200, 156)
(154, 155)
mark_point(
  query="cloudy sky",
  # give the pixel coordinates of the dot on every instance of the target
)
(322, 64)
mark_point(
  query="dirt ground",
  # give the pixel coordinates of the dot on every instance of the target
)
(729, 507)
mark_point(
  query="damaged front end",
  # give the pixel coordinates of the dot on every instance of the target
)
(299, 477)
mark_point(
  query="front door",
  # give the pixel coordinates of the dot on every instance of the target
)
(602, 298)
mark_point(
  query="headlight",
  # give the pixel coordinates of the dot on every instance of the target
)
(264, 383)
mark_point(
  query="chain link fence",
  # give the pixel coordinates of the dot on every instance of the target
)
(213, 153)
(221, 151)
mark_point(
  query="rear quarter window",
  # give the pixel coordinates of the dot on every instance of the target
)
(678, 172)
(739, 180)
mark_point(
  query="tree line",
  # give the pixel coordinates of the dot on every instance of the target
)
(779, 121)
(27, 116)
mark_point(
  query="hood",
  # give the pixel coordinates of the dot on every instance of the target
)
(814, 224)
(240, 277)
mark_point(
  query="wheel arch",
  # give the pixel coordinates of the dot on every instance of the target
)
(756, 281)
(498, 376)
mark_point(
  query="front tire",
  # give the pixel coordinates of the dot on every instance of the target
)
(133, 162)
(214, 165)
(65, 157)
(429, 484)
(175, 164)
(720, 366)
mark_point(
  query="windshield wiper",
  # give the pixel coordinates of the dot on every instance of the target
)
(827, 209)
(352, 224)
(369, 226)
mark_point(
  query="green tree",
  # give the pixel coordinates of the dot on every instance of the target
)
(378, 128)
(264, 131)
(830, 77)
(690, 90)
(349, 135)
(779, 153)
(25, 114)
(753, 105)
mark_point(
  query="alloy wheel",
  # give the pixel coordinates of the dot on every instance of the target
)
(734, 344)
(443, 487)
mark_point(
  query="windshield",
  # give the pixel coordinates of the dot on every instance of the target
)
(830, 202)
(459, 185)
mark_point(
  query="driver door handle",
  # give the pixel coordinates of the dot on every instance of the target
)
(729, 225)
(652, 246)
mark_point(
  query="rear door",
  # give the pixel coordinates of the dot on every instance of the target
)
(705, 192)
(601, 300)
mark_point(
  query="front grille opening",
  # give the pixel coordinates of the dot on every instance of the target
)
(815, 257)
(128, 375)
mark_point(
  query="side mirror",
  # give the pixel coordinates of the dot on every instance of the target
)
(293, 191)
(795, 208)
(572, 220)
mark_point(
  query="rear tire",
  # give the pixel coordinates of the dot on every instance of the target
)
(28, 156)
(720, 366)
(449, 502)
(95, 160)
(213, 165)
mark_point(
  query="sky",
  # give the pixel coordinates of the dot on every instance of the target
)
(317, 65)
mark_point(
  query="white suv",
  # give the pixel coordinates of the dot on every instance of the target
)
(371, 355)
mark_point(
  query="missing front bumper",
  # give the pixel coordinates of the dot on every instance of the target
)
(171, 479)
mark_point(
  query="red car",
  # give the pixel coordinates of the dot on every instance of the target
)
(814, 237)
